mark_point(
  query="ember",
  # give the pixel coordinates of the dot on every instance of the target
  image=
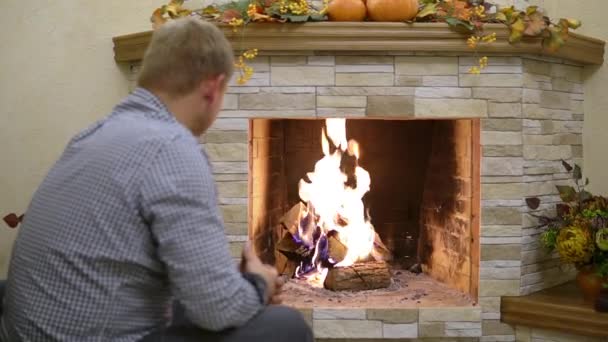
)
(333, 230)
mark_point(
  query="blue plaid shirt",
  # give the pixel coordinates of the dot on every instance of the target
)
(124, 222)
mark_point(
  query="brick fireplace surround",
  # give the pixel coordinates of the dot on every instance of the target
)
(530, 110)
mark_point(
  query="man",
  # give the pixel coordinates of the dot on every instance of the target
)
(126, 222)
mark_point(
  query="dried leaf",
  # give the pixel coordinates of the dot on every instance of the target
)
(157, 18)
(12, 220)
(586, 181)
(531, 10)
(501, 16)
(566, 166)
(578, 173)
(457, 22)
(230, 14)
(461, 11)
(429, 9)
(566, 193)
(562, 209)
(573, 23)
(555, 40)
(535, 24)
(175, 10)
(533, 202)
(508, 12)
(296, 18)
(517, 30)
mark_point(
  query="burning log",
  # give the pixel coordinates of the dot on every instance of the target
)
(358, 277)
(291, 219)
(336, 250)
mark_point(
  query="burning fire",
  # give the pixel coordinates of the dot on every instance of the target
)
(333, 193)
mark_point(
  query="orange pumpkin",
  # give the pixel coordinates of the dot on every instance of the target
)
(392, 10)
(346, 10)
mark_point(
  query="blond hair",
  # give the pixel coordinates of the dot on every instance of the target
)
(183, 53)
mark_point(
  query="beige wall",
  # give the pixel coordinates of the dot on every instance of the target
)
(595, 137)
(57, 76)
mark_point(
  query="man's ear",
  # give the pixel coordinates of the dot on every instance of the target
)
(213, 86)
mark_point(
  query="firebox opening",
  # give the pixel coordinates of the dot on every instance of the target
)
(423, 200)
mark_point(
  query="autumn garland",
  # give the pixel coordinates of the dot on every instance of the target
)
(459, 14)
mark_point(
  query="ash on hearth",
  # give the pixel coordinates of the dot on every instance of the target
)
(330, 240)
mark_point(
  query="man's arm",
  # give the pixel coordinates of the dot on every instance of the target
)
(180, 205)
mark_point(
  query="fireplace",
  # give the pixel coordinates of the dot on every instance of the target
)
(422, 199)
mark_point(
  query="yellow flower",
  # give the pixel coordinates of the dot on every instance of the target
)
(483, 62)
(474, 70)
(575, 245)
(235, 23)
(250, 54)
(490, 38)
(480, 11)
(472, 41)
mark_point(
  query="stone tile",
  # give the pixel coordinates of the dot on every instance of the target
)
(347, 329)
(236, 248)
(495, 60)
(338, 313)
(494, 327)
(230, 124)
(548, 152)
(489, 304)
(364, 60)
(393, 315)
(390, 106)
(502, 191)
(500, 252)
(532, 95)
(365, 91)
(503, 216)
(234, 213)
(340, 112)
(490, 231)
(276, 101)
(307, 314)
(231, 177)
(446, 314)
(537, 67)
(505, 110)
(535, 111)
(555, 100)
(412, 81)
(426, 66)
(511, 125)
(232, 189)
(491, 80)
(450, 108)
(242, 90)
(443, 92)
(498, 94)
(433, 329)
(537, 139)
(496, 166)
(439, 81)
(560, 84)
(230, 101)
(364, 79)
(498, 287)
(235, 228)
(400, 330)
(302, 76)
(221, 137)
(230, 167)
(503, 151)
(287, 90)
(365, 68)
(321, 60)
(258, 79)
(568, 72)
(495, 273)
(341, 101)
(501, 138)
(497, 338)
(227, 152)
(494, 69)
(268, 113)
(288, 60)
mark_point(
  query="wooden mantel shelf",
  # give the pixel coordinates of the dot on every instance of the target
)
(560, 308)
(374, 36)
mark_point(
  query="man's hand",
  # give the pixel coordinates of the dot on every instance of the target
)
(252, 264)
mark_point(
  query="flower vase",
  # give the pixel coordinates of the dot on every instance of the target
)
(590, 284)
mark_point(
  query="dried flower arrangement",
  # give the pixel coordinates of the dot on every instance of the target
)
(578, 230)
(459, 14)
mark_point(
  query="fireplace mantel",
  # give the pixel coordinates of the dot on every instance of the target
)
(372, 36)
